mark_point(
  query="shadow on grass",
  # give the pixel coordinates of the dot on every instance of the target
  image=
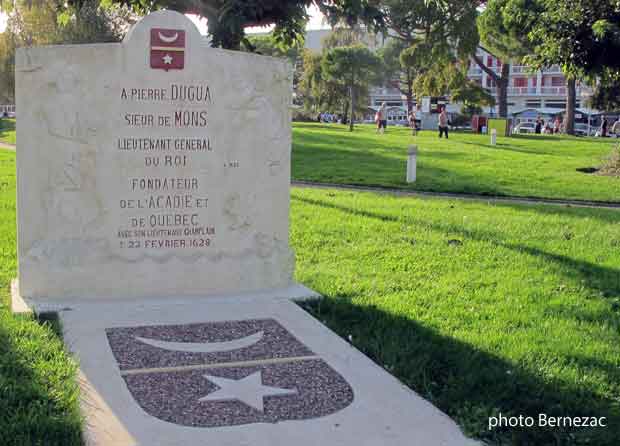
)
(468, 384)
(38, 403)
(472, 385)
(383, 166)
(606, 215)
(604, 279)
(511, 148)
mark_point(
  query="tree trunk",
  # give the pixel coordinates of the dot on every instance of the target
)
(352, 93)
(345, 114)
(409, 94)
(501, 83)
(502, 91)
(569, 116)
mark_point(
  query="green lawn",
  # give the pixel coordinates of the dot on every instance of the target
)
(481, 308)
(38, 391)
(7, 130)
(526, 165)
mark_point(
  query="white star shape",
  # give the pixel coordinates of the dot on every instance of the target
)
(167, 59)
(249, 390)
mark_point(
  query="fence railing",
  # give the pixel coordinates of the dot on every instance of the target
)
(6, 109)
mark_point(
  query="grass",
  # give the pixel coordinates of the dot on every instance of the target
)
(543, 166)
(7, 130)
(481, 308)
(38, 390)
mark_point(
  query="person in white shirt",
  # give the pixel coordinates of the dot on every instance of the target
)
(381, 118)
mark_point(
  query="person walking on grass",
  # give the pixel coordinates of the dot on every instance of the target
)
(381, 118)
(443, 123)
(604, 125)
(615, 129)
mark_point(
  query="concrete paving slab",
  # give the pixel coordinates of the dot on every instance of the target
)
(141, 390)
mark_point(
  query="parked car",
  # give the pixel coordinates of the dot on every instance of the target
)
(581, 129)
(524, 127)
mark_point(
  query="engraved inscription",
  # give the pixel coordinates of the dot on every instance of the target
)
(168, 209)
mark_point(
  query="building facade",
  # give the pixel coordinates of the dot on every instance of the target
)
(527, 89)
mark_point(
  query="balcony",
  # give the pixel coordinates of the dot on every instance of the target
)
(522, 91)
(553, 91)
(520, 69)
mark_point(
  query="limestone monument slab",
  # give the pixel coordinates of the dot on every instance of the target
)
(153, 167)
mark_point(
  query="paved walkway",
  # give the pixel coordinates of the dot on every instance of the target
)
(6, 146)
(236, 370)
(491, 198)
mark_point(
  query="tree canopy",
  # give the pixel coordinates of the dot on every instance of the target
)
(228, 18)
(432, 42)
(583, 37)
(352, 67)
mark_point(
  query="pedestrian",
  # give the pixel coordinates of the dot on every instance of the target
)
(381, 118)
(556, 125)
(615, 129)
(443, 122)
(412, 123)
(604, 125)
(538, 127)
(548, 129)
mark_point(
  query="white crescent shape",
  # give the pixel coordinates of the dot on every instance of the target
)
(204, 347)
(168, 39)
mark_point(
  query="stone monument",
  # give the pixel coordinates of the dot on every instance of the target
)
(153, 201)
(155, 167)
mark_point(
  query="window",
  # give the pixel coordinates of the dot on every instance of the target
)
(555, 104)
(532, 104)
(534, 81)
(520, 82)
(489, 61)
(557, 81)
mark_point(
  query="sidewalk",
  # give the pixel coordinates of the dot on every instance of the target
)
(6, 146)
(458, 196)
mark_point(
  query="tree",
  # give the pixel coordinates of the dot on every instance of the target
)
(227, 19)
(47, 22)
(398, 74)
(503, 29)
(94, 22)
(435, 38)
(352, 67)
(606, 95)
(318, 90)
(7, 67)
(583, 37)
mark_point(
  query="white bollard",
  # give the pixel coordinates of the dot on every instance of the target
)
(411, 164)
(493, 137)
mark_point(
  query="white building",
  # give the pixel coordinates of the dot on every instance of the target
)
(526, 88)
